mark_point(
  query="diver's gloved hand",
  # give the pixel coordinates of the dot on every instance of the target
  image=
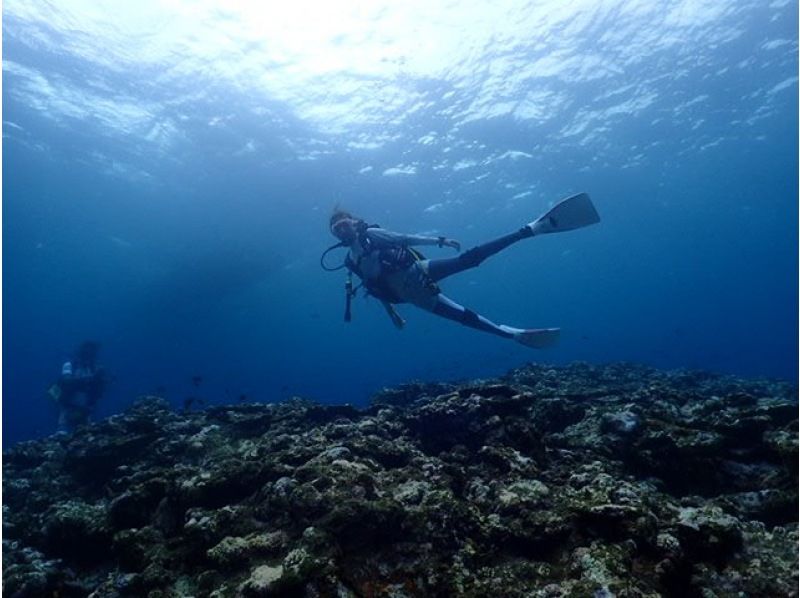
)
(445, 242)
(396, 319)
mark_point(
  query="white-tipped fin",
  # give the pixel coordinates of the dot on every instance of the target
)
(573, 212)
(538, 338)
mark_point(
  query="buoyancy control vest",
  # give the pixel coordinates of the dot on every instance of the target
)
(391, 257)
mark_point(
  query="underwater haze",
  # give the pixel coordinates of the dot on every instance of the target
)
(169, 169)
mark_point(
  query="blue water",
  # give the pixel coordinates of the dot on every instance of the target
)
(168, 174)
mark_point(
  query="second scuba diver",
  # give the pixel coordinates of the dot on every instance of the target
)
(79, 388)
(393, 272)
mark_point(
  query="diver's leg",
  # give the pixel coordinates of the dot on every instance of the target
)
(450, 309)
(439, 269)
(537, 338)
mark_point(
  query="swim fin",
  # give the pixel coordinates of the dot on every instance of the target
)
(573, 212)
(537, 338)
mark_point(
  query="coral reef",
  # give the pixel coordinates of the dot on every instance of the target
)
(602, 481)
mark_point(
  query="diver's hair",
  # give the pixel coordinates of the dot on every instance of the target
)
(338, 214)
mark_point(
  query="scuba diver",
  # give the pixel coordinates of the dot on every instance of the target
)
(393, 272)
(79, 388)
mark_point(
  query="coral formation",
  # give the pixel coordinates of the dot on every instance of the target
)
(582, 480)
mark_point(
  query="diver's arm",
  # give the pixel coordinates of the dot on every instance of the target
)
(388, 236)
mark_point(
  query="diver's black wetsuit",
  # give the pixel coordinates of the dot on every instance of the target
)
(416, 283)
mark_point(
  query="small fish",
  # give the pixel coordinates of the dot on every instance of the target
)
(197, 380)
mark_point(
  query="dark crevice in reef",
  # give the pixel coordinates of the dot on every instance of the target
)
(614, 480)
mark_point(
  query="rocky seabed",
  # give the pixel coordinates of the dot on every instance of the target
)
(577, 481)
